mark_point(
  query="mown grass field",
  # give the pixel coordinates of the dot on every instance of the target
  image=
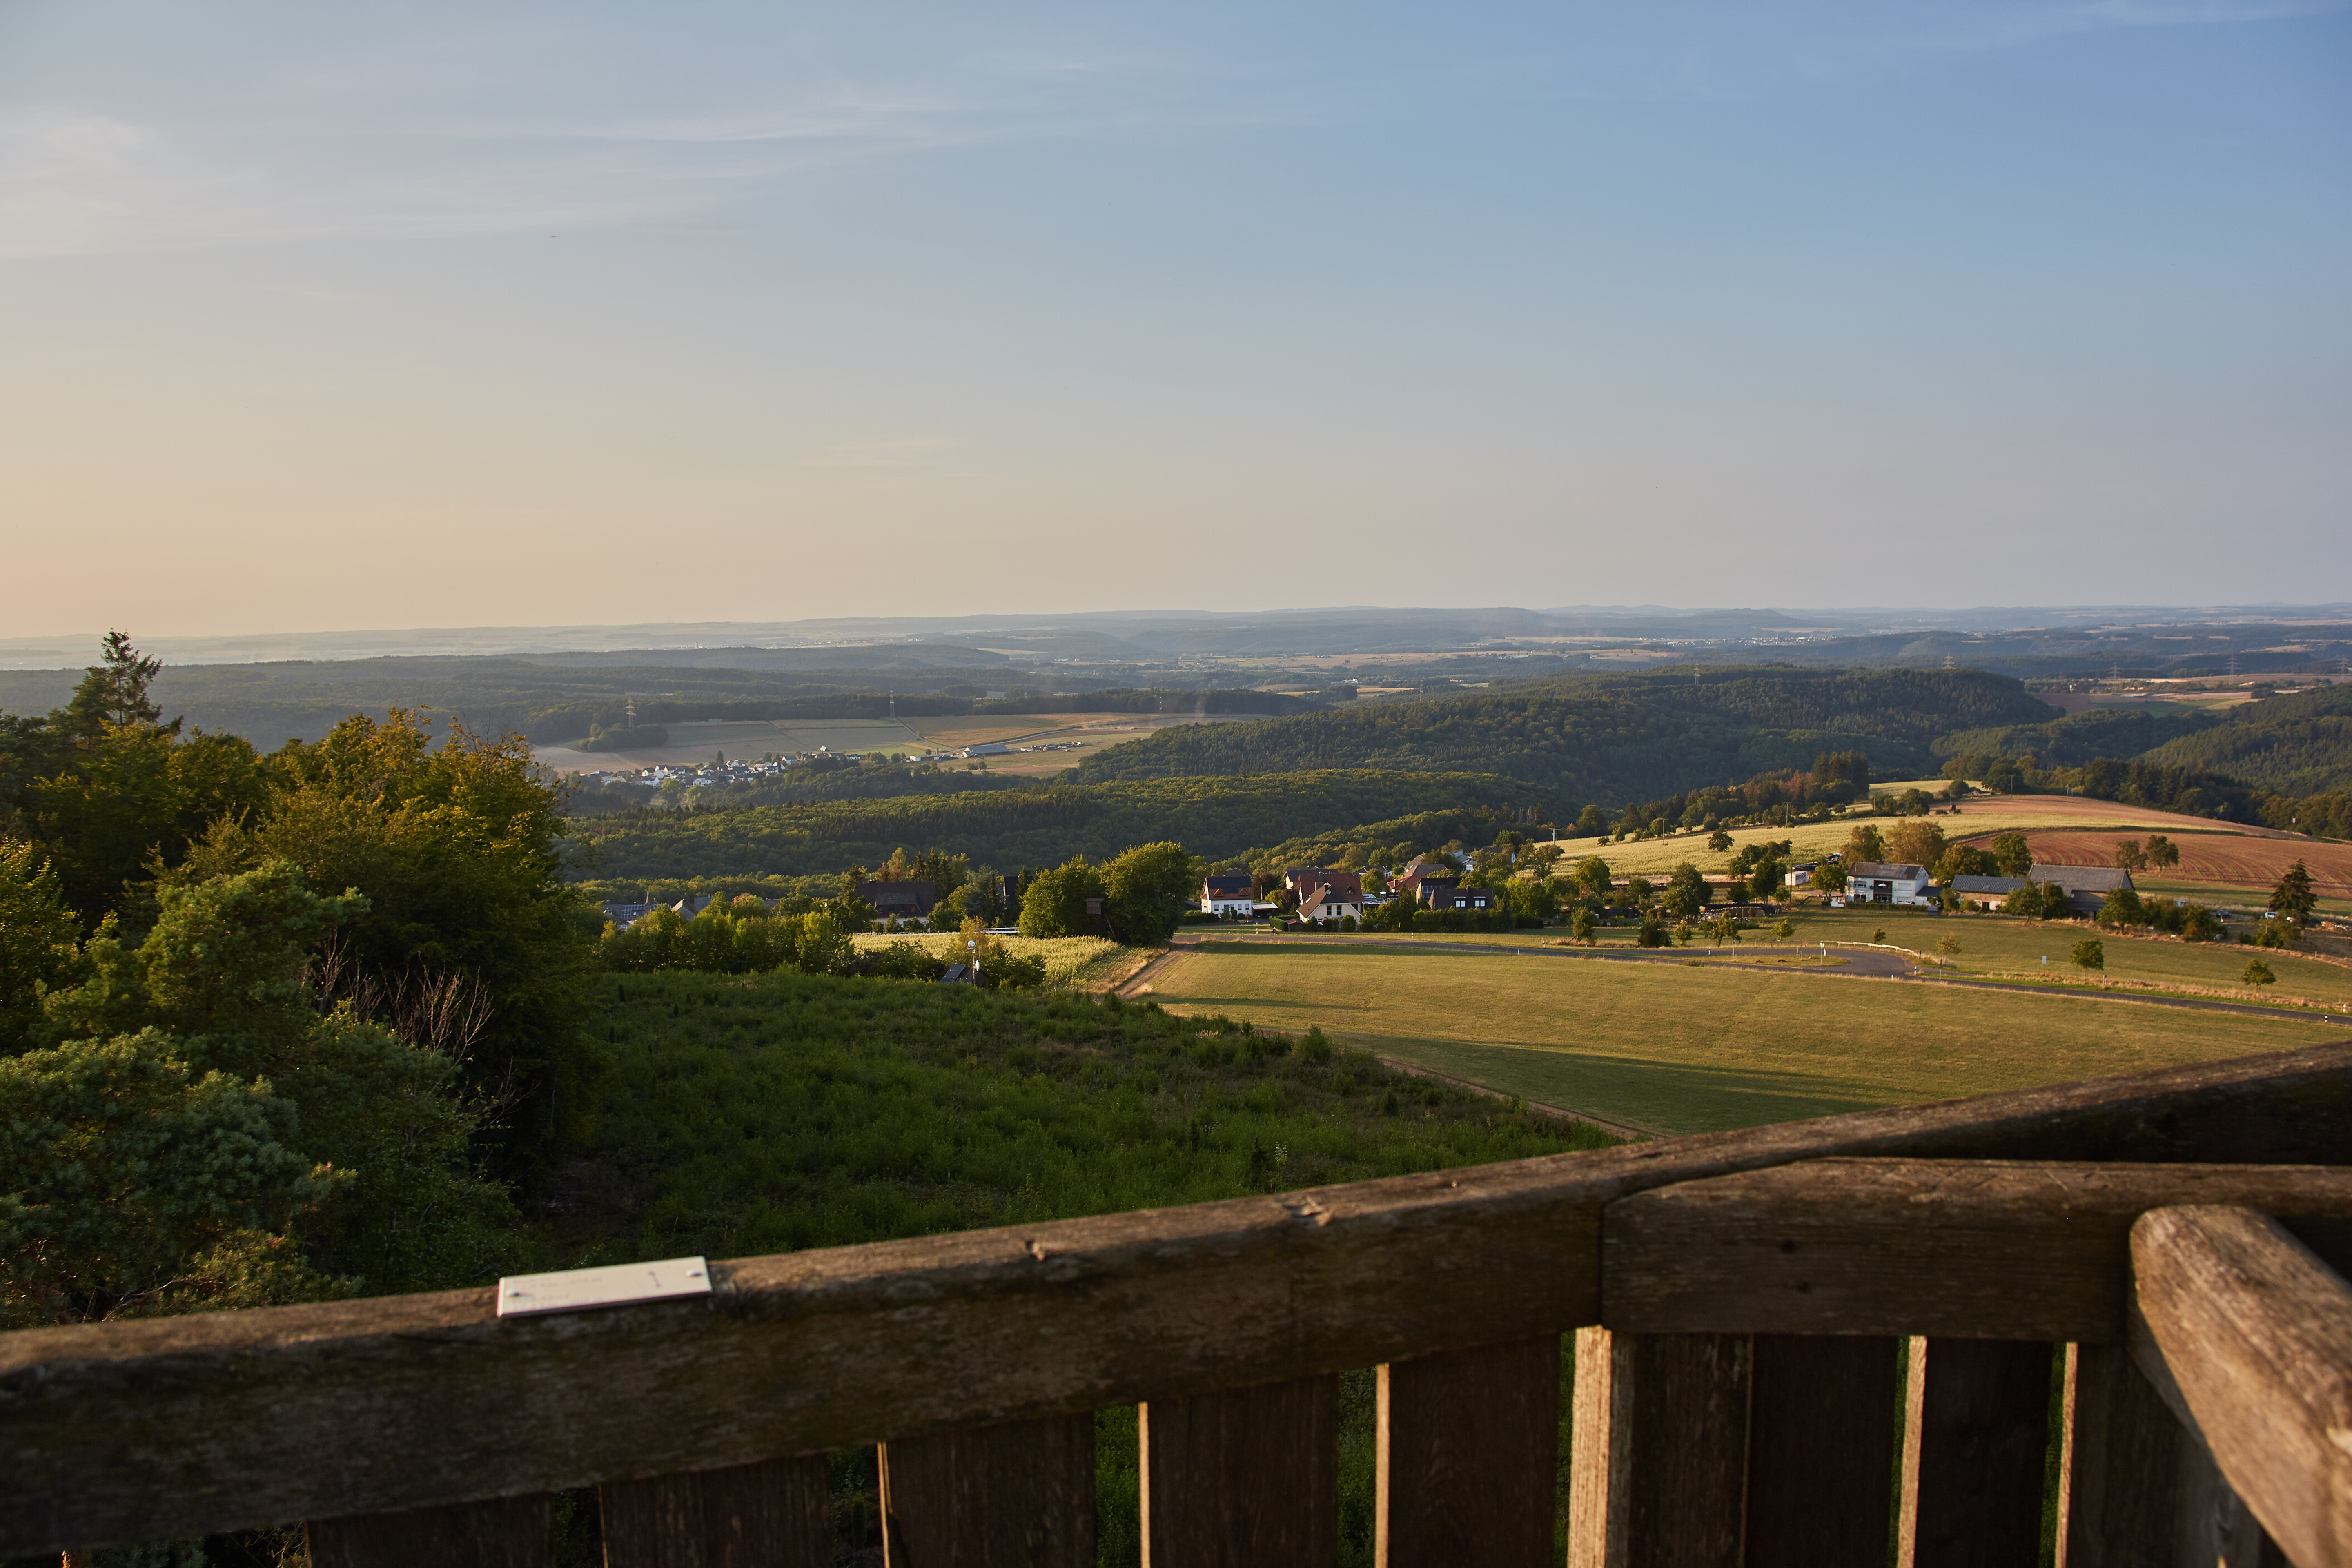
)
(1674, 1048)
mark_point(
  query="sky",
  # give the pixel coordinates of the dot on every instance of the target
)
(459, 314)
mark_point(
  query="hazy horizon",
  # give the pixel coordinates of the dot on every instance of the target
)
(514, 314)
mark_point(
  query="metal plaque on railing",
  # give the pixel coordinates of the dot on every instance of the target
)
(618, 1285)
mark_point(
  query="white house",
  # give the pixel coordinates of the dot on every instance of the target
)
(1227, 895)
(1332, 896)
(1874, 882)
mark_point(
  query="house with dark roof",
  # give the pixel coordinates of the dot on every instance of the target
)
(2088, 887)
(1451, 897)
(1984, 892)
(1336, 895)
(899, 900)
(1227, 895)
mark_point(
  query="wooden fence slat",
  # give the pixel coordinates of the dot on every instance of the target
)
(1659, 1461)
(218, 1421)
(505, 1533)
(1250, 1476)
(1822, 1445)
(1990, 1250)
(1977, 1420)
(1019, 1495)
(2142, 1492)
(1469, 1457)
(2255, 1334)
(768, 1515)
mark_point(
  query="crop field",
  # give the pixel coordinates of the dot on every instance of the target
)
(1675, 1048)
(1074, 736)
(2237, 858)
(1974, 820)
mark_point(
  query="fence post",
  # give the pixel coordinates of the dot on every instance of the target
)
(1016, 1495)
(1659, 1466)
(768, 1515)
(506, 1532)
(1976, 1430)
(1469, 1457)
(1241, 1476)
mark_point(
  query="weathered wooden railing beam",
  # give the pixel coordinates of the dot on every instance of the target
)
(1987, 1249)
(135, 1431)
(2248, 1335)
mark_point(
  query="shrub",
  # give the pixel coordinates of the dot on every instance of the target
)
(2258, 973)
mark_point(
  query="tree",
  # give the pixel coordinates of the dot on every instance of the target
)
(1864, 844)
(1639, 890)
(40, 941)
(1056, 903)
(113, 692)
(1783, 931)
(1915, 842)
(1144, 891)
(2292, 899)
(1829, 876)
(2162, 852)
(1593, 875)
(457, 849)
(1653, 932)
(2090, 953)
(1948, 946)
(2123, 907)
(2013, 854)
(1591, 822)
(1581, 926)
(2129, 856)
(2257, 972)
(1685, 892)
(1719, 841)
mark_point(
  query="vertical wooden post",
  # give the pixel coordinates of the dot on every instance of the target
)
(1659, 1466)
(1977, 1425)
(1019, 1495)
(505, 1533)
(768, 1515)
(1469, 1457)
(1822, 1450)
(1244, 1477)
(2141, 1490)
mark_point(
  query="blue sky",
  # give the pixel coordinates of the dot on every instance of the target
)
(442, 314)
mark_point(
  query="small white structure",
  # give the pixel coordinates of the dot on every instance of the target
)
(1876, 882)
(986, 749)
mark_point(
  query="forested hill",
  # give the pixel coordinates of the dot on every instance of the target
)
(2295, 745)
(1045, 825)
(1608, 739)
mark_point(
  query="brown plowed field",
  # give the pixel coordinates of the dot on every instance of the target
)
(2207, 856)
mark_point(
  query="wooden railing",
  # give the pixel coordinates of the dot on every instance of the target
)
(1792, 1346)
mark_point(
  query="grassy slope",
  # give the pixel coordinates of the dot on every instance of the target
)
(1681, 1049)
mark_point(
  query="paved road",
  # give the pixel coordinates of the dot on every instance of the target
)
(1861, 962)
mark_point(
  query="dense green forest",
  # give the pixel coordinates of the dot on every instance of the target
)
(1607, 738)
(2299, 744)
(1041, 825)
(2068, 740)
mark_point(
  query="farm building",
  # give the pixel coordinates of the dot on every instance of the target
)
(986, 749)
(1228, 895)
(1882, 882)
(2088, 887)
(1984, 892)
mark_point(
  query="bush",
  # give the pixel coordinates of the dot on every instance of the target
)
(2090, 953)
(2258, 973)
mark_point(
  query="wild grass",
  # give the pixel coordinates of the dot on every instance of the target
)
(745, 1115)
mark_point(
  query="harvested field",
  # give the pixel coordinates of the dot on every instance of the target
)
(2208, 857)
